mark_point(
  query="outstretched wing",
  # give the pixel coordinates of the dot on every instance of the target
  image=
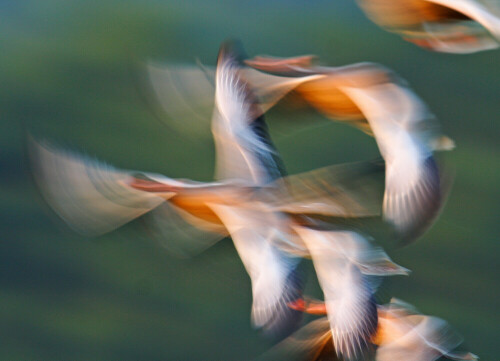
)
(398, 118)
(274, 276)
(90, 196)
(244, 147)
(349, 300)
(185, 93)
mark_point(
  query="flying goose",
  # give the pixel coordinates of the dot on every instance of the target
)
(375, 100)
(451, 26)
(402, 334)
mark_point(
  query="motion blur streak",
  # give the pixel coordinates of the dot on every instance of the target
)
(451, 26)
(402, 334)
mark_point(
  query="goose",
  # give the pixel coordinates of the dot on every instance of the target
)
(402, 334)
(451, 26)
(244, 151)
(375, 100)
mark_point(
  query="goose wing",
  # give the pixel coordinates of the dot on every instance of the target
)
(182, 233)
(184, 93)
(349, 300)
(243, 145)
(324, 88)
(94, 198)
(274, 275)
(412, 198)
(90, 196)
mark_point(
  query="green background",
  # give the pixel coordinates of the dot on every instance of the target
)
(68, 72)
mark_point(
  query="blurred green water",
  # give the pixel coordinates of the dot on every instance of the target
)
(68, 72)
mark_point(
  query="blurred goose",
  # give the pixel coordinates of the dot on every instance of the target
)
(402, 334)
(375, 100)
(452, 26)
(365, 95)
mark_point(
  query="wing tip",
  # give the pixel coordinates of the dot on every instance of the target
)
(232, 48)
(353, 347)
(412, 214)
(357, 343)
(286, 320)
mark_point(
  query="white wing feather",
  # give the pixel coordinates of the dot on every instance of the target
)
(91, 197)
(348, 296)
(396, 116)
(236, 143)
(271, 270)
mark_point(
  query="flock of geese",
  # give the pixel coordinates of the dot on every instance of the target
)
(275, 219)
